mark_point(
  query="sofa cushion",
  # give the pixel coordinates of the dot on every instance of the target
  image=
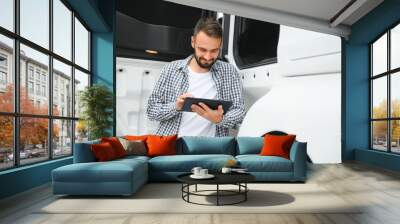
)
(136, 137)
(111, 171)
(103, 151)
(257, 163)
(142, 138)
(185, 163)
(249, 145)
(116, 145)
(131, 158)
(83, 152)
(161, 145)
(134, 147)
(195, 145)
(277, 145)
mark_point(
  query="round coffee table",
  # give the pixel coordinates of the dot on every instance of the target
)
(238, 179)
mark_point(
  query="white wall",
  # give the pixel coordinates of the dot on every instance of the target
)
(301, 95)
(134, 85)
(306, 106)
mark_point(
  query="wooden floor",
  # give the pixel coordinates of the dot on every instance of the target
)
(377, 188)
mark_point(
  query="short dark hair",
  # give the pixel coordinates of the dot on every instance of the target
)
(209, 26)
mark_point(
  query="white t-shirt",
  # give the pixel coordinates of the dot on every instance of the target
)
(201, 85)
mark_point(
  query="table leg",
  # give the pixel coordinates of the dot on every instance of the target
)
(217, 194)
(182, 188)
(245, 193)
(188, 190)
(196, 188)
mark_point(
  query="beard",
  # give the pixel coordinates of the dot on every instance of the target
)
(204, 65)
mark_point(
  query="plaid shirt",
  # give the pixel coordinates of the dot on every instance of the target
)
(173, 82)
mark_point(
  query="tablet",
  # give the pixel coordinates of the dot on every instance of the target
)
(212, 104)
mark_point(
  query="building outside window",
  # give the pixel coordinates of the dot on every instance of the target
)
(30, 72)
(3, 72)
(37, 74)
(43, 90)
(3, 78)
(34, 75)
(30, 87)
(55, 94)
(3, 61)
(38, 89)
(44, 77)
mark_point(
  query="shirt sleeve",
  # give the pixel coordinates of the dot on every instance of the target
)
(158, 109)
(234, 116)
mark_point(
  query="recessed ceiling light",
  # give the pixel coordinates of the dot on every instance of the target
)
(151, 51)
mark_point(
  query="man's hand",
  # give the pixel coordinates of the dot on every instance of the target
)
(180, 100)
(203, 110)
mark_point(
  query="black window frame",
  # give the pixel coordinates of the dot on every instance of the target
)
(388, 74)
(236, 35)
(16, 115)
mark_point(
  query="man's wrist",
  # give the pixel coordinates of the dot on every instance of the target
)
(218, 120)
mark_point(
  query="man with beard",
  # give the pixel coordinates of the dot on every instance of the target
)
(200, 75)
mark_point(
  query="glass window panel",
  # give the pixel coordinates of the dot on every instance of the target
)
(379, 55)
(379, 135)
(81, 131)
(62, 138)
(7, 14)
(62, 29)
(395, 47)
(81, 45)
(81, 81)
(33, 140)
(395, 94)
(6, 74)
(395, 136)
(379, 97)
(34, 21)
(39, 62)
(6, 142)
(62, 89)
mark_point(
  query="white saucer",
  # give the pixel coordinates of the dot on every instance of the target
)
(208, 176)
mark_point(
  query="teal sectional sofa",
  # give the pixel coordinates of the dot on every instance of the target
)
(125, 176)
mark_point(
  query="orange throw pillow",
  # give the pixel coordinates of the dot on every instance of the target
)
(277, 145)
(103, 151)
(136, 137)
(161, 145)
(116, 145)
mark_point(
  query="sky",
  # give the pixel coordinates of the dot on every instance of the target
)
(34, 26)
(380, 66)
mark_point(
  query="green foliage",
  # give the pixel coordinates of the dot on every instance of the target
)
(380, 127)
(96, 102)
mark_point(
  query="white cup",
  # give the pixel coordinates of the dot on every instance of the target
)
(226, 170)
(196, 170)
(203, 172)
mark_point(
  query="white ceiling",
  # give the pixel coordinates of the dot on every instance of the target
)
(316, 15)
(321, 9)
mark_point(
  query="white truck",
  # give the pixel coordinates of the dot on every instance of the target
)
(298, 92)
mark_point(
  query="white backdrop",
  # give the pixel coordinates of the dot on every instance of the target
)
(301, 93)
(134, 85)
